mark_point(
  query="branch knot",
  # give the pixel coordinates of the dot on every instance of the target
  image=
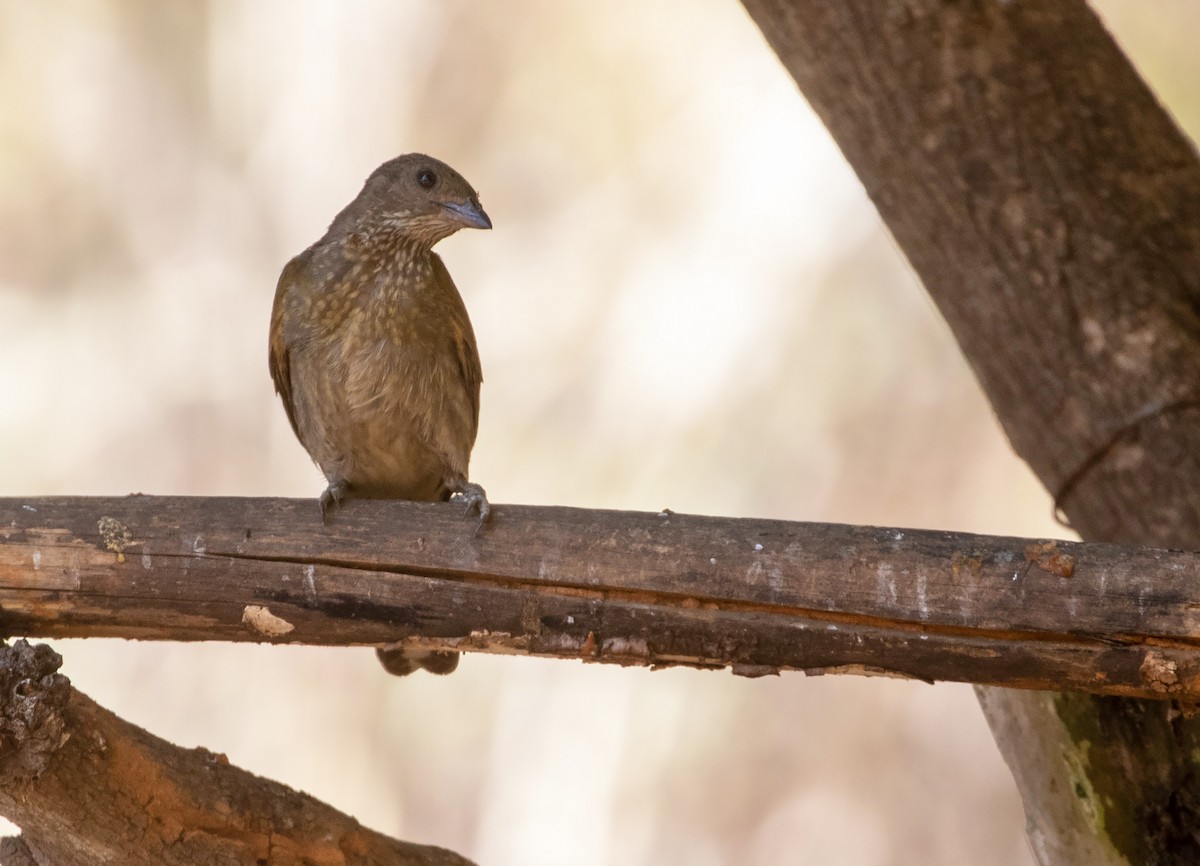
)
(33, 697)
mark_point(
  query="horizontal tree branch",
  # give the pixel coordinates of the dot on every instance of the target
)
(88, 788)
(629, 588)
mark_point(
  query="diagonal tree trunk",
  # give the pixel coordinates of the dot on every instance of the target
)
(1052, 209)
(89, 789)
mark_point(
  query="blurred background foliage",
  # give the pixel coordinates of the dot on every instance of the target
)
(687, 302)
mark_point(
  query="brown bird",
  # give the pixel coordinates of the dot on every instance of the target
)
(373, 354)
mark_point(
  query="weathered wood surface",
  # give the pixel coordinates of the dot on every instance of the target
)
(622, 587)
(1051, 208)
(87, 788)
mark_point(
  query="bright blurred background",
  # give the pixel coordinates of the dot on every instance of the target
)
(687, 302)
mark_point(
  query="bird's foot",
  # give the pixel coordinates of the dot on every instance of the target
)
(331, 497)
(476, 500)
(400, 660)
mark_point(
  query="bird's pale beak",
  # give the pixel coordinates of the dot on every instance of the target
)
(469, 214)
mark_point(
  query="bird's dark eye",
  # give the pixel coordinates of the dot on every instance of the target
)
(426, 178)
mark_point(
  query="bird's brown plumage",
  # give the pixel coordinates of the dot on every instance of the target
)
(371, 349)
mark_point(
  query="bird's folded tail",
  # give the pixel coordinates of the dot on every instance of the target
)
(400, 660)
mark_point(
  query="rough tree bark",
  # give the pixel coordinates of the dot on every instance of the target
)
(89, 789)
(610, 586)
(1052, 209)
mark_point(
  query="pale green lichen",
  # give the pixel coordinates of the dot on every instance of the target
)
(115, 535)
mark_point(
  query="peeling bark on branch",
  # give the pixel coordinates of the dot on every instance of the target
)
(1052, 210)
(88, 789)
(627, 588)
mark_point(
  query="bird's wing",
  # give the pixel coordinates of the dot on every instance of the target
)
(279, 359)
(465, 351)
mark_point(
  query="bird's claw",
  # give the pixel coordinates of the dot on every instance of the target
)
(475, 499)
(331, 497)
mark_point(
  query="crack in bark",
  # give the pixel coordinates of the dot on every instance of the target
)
(655, 598)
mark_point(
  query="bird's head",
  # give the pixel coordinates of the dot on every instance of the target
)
(422, 196)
